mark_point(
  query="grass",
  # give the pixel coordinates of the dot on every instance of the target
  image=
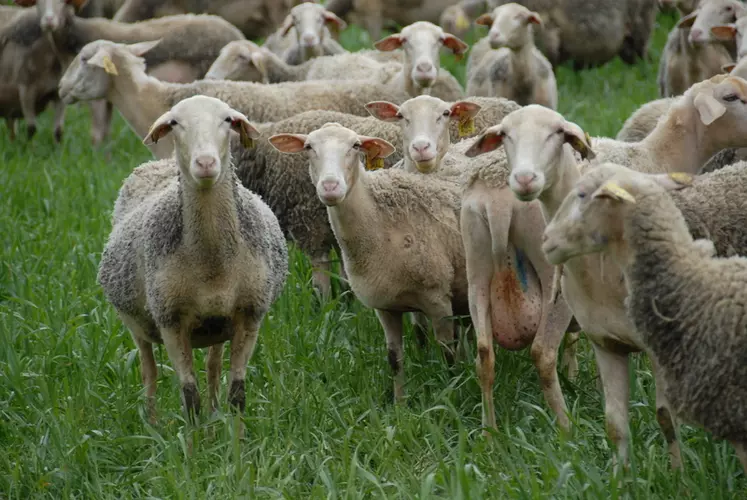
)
(320, 422)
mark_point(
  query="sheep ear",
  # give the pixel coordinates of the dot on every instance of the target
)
(688, 20)
(25, 3)
(613, 191)
(578, 140)
(160, 128)
(331, 19)
(456, 45)
(287, 25)
(490, 140)
(708, 108)
(258, 58)
(485, 20)
(464, 110)
(673, 180)
(102, 59)
(384, 111)
(141, 48)
(77, 4)
(247, 133)
(289, 143)
(725, 33)
(534, 18)
(728, 68)
(375, 147)
(392, 42)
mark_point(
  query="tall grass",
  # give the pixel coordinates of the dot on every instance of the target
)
(320, 422)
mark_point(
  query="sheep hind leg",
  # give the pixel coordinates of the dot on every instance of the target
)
(148, 369)
(320, 278)
(27, 96)
(420, 327)
(569, 362)
(59, 120)
(613, 370)
(214, 365)
(392, 324)
(666, 420)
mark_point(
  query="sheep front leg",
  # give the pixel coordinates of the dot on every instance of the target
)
(27, 96)
(666, 420)
(420, 326)
(320, 275)
(214, 365)
(569, 363)
(392, 324)
(613, 370)
(101, 119)
(59, 119)
(242, 347)
(179, 349)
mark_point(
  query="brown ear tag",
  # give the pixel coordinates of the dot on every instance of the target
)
(466, 127)
(109, 66)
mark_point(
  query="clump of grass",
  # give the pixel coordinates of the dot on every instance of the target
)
(320, 422)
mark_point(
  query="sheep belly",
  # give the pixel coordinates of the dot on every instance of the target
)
(515, 302)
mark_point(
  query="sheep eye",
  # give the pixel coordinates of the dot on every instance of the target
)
(581, 195)
(228, 120)
(307, 147)
(399, 115)
(728, 8)
(357, 146)
(731, 97)
(447, 113)
(173, 123)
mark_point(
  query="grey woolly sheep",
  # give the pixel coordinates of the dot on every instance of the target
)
(198, 262)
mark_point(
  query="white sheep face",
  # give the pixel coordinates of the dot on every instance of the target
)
(202, 128)
(310, 19)
(335, 154)
(510, 25)
(422, 42)
(236, 61)
(53, 14)
(711, 13)
(425, 126)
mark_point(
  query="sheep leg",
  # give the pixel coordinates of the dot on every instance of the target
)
(242, 348)
(101, 119)
(479, 272)
(666, 420)
(741, 450)
(148, 370)
(27, 96)
(214, 365)
(392, 324)
(613, 370)
(569, 362)
(59, 119)
(445, 335)
(179, 349)
(420, 325)
(320, 275)
(11, 123)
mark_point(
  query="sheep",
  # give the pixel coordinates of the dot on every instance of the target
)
(308, 23)
(686, 59)
(696, 125)
(412, 223)
(644, 120)
(255, 18)
(507, 64)
(712, 13)
(733, 33)
(426, 141)
(199, 262)
(421, 74)
(243, 60)
(686, 303)
(116, 71)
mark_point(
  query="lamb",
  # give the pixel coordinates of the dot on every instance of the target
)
(411, 222)
(686, 303)
(519, 316)
(507, 64)
(305, 34)
(209, 257)
(696, 122)
(243, 60)
(421, 74)
(262, 103)
(688, 58)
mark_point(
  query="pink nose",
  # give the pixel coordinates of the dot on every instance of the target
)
(424, 67)
(421, 146)
(524, 180)
(696, 34)
(309, 39)
(205, 162)
(49, 21)
(329, 186)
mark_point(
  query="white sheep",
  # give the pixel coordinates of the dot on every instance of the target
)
(198, 262)
(506, 62)
(422, 72)
(687, 306)
(117, 72)
(408, 221)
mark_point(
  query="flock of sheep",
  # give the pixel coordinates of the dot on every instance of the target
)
(492, 205)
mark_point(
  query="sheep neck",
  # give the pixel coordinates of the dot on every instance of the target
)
(210, 217)
(521, 62)
(679, 143)
(564, 177)
(280, 71)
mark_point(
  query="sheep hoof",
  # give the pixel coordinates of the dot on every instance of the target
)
(30, 131)
(58, 135)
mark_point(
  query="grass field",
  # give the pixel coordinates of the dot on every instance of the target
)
(320, 422)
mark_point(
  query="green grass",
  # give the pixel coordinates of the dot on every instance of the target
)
(320, 422)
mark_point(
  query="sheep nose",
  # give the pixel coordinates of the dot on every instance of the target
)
(205, 162)
(309, 39)
(424, 67)
(330, 185)
(525, 180)
(49, 21)
(696, 35)
(421, 145)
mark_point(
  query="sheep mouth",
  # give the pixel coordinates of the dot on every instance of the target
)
(66, 96)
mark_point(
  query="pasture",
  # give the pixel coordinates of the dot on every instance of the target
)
(320, 422)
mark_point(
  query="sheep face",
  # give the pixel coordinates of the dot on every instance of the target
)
(721, 105)
(425, 126)
(54, 14)
(91, 73)
(534, 138)
(711, 13)
(309, 19)
(734, 32)
(202, 126)
(422, 42)
(510, 26)
(592, 216)
(237, 60)
(334, 157)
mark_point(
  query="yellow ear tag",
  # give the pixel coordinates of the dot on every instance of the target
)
(588, 138)
(374, 163)
(462, 23)
(109, 66)
(616, 190)
(466, 127)
(247, 142)
(681, 178)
